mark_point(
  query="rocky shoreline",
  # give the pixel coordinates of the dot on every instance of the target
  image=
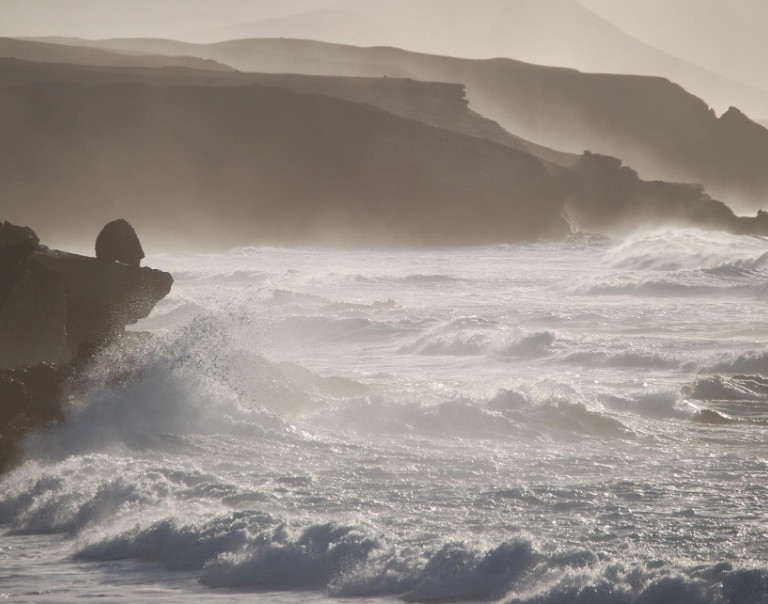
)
(57, 310)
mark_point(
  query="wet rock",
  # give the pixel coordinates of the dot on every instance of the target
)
(118, 242)
(56, 310)
(102, 297)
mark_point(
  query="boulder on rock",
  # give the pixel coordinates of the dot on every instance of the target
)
(117, 241)
(54, 303)
(56, 309)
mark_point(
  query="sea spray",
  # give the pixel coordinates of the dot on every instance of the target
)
(591, 448)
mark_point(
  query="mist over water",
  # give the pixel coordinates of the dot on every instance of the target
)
(533, 423)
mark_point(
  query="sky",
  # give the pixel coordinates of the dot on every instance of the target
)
(723, 35)
(727, 36)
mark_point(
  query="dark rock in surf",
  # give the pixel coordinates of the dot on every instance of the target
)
(117, 241)
(33, 306)
(33, 317)
(102, 297)
(53, 303)
(30, 398)
(56, 309)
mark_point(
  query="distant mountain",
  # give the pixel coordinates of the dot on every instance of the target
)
(81, 55)
(552, 32)
(443, 105)
(652, 124)
(725, 52)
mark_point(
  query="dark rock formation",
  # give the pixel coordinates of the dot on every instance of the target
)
(608, 197)
(30, 398)
(56, 309)
(52, 303)
(117, 241)
(33, 305)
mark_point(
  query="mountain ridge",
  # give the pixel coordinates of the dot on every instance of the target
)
(653, 124)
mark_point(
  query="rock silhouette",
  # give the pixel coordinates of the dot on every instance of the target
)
(606, 196)
(118, 242)
(33, 305)
(56, 309)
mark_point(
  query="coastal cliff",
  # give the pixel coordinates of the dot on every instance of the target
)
(56, 310)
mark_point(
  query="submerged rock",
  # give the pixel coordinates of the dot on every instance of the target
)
(56, 308)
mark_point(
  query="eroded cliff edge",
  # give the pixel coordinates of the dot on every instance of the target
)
(56, 310)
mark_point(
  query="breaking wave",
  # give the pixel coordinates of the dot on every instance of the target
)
(689, 249)
(257, 551)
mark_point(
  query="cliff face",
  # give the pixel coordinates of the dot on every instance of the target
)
(56, 310)
(608, 197)
(223, 159)
(443, 105)
(251, 163)
(53, 304)
(651, 123)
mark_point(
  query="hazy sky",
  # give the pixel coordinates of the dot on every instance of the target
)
(727, 36)
(723, 35)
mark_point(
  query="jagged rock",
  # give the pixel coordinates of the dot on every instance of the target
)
(103, 297)
(53, 303)
(117, 241)
(56, 308)
(606, 196)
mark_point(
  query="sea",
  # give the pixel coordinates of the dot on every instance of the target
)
(583, 421)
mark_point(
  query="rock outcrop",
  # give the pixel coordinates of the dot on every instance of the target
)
(54, 303)
(606, 196)
(118, 242)
(33, 308)
(56, 309)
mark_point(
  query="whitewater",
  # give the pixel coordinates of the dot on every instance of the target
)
(583, 421)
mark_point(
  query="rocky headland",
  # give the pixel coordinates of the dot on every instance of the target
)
(57, 310)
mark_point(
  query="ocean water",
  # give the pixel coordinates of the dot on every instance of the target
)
(576, 422)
